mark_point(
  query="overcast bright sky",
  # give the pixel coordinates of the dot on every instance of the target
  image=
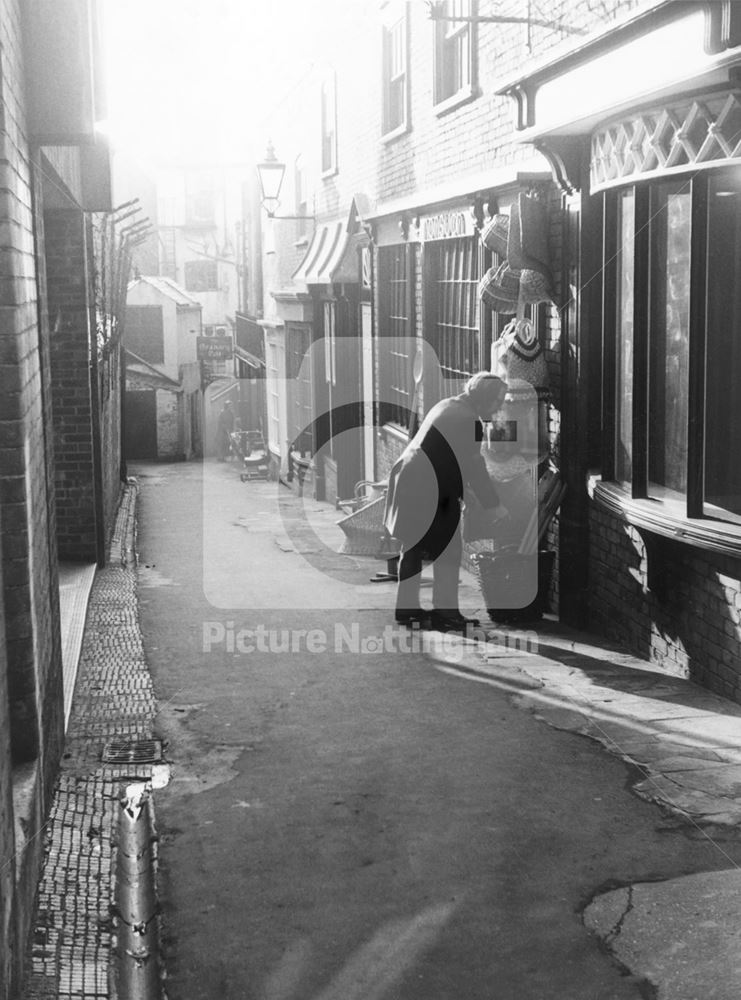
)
(198, 78)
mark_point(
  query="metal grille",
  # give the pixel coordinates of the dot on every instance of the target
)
(136, 752)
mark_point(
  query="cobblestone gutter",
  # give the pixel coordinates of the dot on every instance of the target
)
(113, 701)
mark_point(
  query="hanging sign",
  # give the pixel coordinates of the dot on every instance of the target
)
(214, 348)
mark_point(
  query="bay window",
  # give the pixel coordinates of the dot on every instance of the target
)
(673, 351)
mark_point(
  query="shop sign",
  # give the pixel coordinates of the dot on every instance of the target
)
(214, 348)
(445, 225)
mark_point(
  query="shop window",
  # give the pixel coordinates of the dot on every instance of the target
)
(395, 349)
(329, 125)
(723, 350)
(455, 268)
(145, 335)
(455, 53)
(201, 276)
(395, 75)
(668, 339)
(676, 285)
(624, 341)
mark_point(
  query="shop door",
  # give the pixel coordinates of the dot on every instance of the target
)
(140, 424)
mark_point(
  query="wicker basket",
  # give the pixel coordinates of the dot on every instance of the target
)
(365, 534)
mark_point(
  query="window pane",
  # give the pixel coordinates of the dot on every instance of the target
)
(723, 371)
(624, 347)
(395, 326)
(394, 76)
(669, 337)
(454, 331)
(453, 64)
(201, 276)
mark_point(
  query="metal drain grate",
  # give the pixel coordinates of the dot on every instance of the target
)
(132, 752)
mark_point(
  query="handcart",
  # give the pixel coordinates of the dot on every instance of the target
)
(251, 451)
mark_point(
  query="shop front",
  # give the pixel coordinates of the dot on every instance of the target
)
(315, 364)
(650, 172)
(432, 330)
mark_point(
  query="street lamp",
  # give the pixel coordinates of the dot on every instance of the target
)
(271, 172)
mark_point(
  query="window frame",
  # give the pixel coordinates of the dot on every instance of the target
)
(328, 114)
(687, 519)
(395, 334)
(453, 269)
(463, 36)
(399, 20)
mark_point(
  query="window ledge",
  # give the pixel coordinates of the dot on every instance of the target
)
(395, 133)
(666, 520)
(462, 96)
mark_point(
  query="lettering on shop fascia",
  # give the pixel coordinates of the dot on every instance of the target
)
(445, 226)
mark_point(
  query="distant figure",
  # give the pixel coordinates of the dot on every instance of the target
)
(423, 503)
(224, 430)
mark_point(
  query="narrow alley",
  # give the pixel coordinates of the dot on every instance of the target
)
(341, 820)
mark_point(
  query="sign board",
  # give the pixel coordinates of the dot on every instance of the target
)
(446, 225)
(214, 348)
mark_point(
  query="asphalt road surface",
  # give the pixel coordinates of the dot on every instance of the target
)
(346, 820)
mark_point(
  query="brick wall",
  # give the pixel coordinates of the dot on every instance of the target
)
(31, 712)
(69, 318)
(109, 372)
(692, 629)
(7, 843)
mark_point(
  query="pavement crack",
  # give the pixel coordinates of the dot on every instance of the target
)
(614, 933)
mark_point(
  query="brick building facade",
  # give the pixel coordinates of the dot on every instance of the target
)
(55, 495)
(436, 126)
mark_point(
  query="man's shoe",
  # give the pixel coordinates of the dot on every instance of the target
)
(410, 616)
(451, 622)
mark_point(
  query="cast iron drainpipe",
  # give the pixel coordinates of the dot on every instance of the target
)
(135, 966)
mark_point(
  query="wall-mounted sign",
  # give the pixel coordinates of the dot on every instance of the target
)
(214, 348)
(446, 225)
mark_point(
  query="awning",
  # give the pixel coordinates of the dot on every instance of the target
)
(323, 254)
(248, 357)
(332, 254)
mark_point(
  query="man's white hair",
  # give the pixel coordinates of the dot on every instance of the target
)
(480, 380)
